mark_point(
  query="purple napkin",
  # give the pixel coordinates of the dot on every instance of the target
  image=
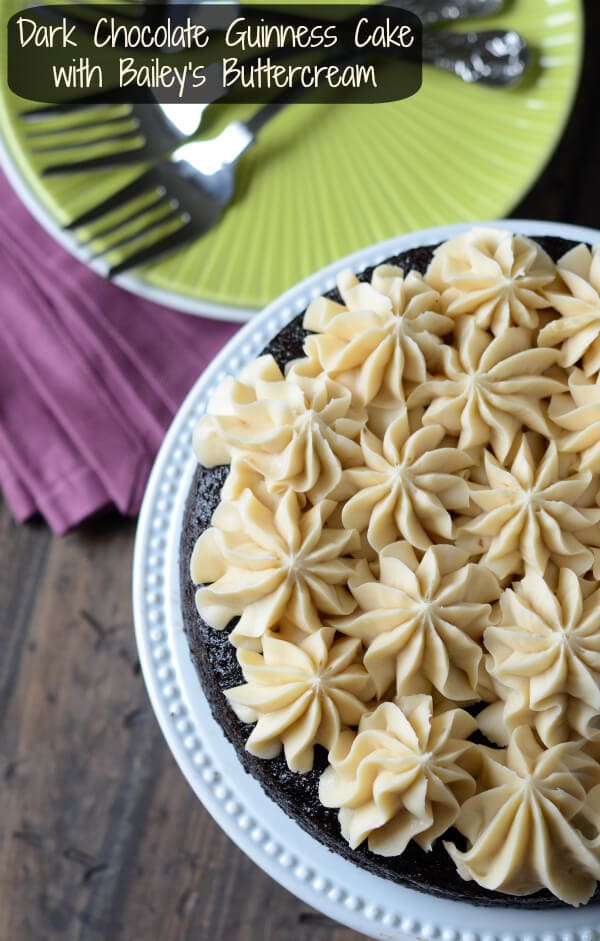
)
(90, 377)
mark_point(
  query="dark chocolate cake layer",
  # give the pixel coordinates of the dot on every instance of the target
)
(218, 669)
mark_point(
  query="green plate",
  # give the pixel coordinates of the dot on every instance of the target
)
(323, 181)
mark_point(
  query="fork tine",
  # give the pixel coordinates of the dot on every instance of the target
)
(35, 132)
(132, 135)
(117, 158)
(175, 213)
(112, 227)
(83, 102)
(139, 186)
(158, 249)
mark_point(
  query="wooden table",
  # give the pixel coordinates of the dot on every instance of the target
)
(101, 838)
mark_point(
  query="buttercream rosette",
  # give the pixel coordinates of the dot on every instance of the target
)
(406, 486)
(402, 776)
(422, 621)
(577, 414)
(494, 276)
(529, 826)
(262, 565)
(301, 695)
(531, 514)
(545, 657)
(577, 330)
(490, 388)
(410, 524)
(296, 434)
(385, 334)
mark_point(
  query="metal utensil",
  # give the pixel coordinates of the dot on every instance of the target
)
(497, 58)
(142, 131)
(149, 129)
(492, 57)
(431, 12)
(185, 196)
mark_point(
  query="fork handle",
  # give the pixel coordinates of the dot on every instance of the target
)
(291, 95)
(265, 114)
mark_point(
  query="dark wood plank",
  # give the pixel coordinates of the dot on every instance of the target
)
(100, 835)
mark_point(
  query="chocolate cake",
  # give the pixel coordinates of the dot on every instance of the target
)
(219, 669)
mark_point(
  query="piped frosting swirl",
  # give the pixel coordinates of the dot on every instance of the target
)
(403, 775)
(545, 654)
(263, 565)
(301, 695)
(577, 330)
(296, 434)
(384, 335)
(494, 276)
(490, 388)
(577, 413)
(422, 622)
(527, 825)
(531, 514)
(406, 487)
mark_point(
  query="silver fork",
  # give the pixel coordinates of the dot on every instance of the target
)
(192, 189)
(432, 12)
(497, 58)
(154, 128)
(151, 127)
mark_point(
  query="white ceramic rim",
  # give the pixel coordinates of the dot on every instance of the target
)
(338, 888)
(130, 282)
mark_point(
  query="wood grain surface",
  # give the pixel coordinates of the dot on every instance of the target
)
(101, 839)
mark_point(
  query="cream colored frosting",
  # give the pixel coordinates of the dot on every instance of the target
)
(493, 275)
(412, 511)
(577, 330)
(490, 388)
(422, 622)
(301, 694)
(385, 334)
(526, 828)
(263, 565)
(578, 413)
(530, 516)
(406, 486)
(545, 654)
(403, 776)
(296, 434)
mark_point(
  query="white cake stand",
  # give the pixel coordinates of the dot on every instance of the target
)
(343, 891)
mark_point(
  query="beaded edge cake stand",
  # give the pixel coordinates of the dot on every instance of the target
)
(367, 903)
